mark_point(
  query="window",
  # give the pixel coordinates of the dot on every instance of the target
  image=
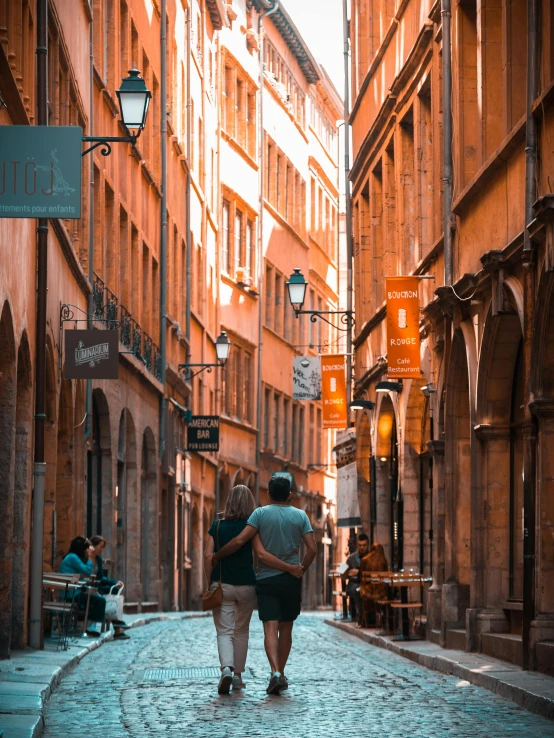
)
(276, 421)
(285, 188)
(301, 438)
(238, 240)
(284, 84)
(249, 249)
(225, 250)
(267, 400)
(239, 107)
(286, 429)
(268, 296)
(239, 384)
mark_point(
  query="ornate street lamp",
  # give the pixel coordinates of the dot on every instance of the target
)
(222, 346)
(297, 286)
(134, 99)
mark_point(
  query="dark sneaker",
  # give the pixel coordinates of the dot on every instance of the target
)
(225, 681)
(275, 685)
(284, 682)
(121, 637)
(120, 624)
(93, 634)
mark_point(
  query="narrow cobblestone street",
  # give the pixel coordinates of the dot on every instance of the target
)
(338, 686)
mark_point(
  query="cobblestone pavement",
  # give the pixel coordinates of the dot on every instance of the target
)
(338, 686)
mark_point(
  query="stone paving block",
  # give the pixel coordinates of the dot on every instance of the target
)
(21, 726)
(21, 704)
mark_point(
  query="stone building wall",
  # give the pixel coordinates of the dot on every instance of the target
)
(452, 464)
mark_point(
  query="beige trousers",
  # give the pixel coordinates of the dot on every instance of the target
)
(232, 622)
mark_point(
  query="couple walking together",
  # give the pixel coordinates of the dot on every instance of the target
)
(274, 533)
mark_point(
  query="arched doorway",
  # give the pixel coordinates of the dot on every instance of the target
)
(365, 463)
(7, 459)
(149, 518)
(389, 511)
(22, 493)
(500, 415)
(196, 558)
(50, 457)
(99, 477)
(128, 508)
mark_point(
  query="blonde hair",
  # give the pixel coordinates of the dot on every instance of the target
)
(240, 504)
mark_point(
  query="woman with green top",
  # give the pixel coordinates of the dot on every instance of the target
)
(238, 579)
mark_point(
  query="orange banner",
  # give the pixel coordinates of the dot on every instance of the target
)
(333, 391)
(403, 327)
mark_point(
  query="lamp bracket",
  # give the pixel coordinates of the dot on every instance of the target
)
(346, 317)
(189, 374)
(105, 141)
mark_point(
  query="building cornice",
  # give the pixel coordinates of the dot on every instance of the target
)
(283, 23)
(218, 14)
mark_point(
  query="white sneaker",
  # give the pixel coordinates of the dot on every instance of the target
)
(238, 683)
(225, 681)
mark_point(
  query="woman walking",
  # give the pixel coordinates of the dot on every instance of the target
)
(237, 576)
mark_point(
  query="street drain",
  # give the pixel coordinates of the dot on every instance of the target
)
(191, 672)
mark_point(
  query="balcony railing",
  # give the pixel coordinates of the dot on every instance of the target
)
(131, 335)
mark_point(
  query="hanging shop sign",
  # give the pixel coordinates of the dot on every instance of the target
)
(403, 342)
(40, 171)
(203, 433)
(91, 354)
(306, 378)
(333, 391)
(348, 508)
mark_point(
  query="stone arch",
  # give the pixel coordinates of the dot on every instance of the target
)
(128, 507)
(64, 501)
(8, 378)
(22, 492)
(99, 478)
(224, 488)
(364, 463)
(542, 405)
(238, 477)
(458, 465)
(149, 518)
(500, 368)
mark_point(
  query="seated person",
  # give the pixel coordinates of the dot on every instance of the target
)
(374, 561)
(103, 583)
(352, 576)
(79, 561)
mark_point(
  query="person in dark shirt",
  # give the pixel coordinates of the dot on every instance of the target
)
(238, 578)
(352, 576)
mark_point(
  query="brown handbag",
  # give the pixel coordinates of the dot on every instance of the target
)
(213, 598)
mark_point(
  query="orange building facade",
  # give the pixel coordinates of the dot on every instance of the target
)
(453, 469)
(117, 463)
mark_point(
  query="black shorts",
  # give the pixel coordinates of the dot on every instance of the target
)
(279, 597)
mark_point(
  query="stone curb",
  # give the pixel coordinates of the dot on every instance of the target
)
(34, 728)
(522, 696)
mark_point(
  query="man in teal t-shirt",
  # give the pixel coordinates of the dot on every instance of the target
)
(281, 528)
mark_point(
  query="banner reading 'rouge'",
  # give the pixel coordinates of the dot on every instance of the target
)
(333, 391)
(403, 327)
(91, 354)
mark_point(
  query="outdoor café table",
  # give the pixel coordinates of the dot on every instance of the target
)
(403, 582)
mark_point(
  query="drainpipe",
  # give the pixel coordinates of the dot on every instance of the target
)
(447, 137)
(39, 469)
(163, 221)
(347, 199)
(188, 254)
(529, 427)
(261, 171)
(88, 406)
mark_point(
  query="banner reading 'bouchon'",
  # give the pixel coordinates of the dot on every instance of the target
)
(333, 391)
(403, 327)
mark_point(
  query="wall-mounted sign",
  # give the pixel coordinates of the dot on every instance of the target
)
(40, 171)
(348, 508)
(203, 433)
(333, 391)
(403, 327)
(306, 378)
(91, 354)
